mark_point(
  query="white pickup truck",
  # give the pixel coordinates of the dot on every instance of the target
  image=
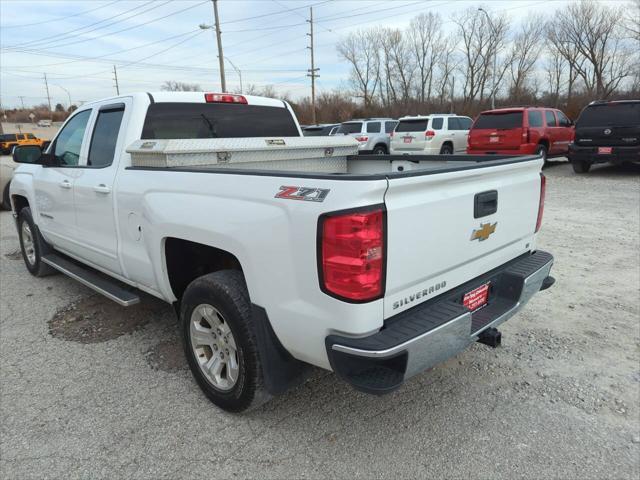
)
(279, 251)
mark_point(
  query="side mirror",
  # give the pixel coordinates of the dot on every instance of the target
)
(27, 154)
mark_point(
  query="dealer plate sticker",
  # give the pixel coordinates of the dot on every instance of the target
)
(605, 150)
(476, 298)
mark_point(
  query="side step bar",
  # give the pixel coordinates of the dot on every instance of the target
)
(92, 279)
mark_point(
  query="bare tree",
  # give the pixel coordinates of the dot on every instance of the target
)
(173, 86)
(525, 52)
(480, 41)
(592, 40)
(555, 67)
(426, 40)
(360, 49)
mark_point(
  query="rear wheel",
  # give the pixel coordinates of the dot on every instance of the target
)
(380, 150)
(446, 149)
(219, 342)
(32, 245)
(580, 166)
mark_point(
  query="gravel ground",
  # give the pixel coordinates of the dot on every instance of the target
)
(95, 391)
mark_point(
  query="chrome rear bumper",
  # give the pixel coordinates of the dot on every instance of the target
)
(428, 334)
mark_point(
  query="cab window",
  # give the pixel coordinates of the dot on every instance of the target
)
(373, 127)
(436, 123)
(105, 136)
(69, 140)
(563, 121)
(535, 118)
(550, 117)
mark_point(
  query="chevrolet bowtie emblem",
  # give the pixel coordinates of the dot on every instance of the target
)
(484, 231)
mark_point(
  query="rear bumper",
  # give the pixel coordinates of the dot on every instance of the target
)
(591, 155)
(430, 333)
(524, 149)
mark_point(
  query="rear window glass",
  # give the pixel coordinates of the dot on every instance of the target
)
(389, 126)
(216, 120)
(354, 127)
(499, 120)
(610, 114)
(7, 137)
(373, 127)
(535, 118)
(464, 123)
(436, 123)
(412, 125)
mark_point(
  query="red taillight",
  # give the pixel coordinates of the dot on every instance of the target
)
(429, 134)
(224, 98)
(543, 191)
(352, 254)
(362, 139)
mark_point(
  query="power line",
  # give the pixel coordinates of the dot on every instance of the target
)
(59, 18)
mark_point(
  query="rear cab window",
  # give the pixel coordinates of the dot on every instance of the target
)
(105, 136)
(437, 123)
(350, 127)
(166, 120)
(610, 115)
(499, 120)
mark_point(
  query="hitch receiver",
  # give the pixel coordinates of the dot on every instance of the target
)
(491, 336)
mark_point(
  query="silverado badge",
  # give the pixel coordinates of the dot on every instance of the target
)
(484, 231)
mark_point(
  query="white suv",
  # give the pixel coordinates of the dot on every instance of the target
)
(372, 134)
(443, 134)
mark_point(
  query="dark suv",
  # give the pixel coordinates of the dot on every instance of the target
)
(606, 132)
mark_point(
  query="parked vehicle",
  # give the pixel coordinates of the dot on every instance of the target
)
(44, 123)
(320, 130)
(279, 251)
(10, 140)
(521, 130)
(437, 134)
(373, 134)
(606, 132)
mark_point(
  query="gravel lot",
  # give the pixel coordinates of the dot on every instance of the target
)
(91, 390)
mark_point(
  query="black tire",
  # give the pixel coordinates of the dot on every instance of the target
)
(227, 293)
(36, 245)
(380, 150)
(6, 199)
(581, 166)
(541, 151)
(446, 149)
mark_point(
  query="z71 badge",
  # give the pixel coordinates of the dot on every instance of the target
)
(309, 194)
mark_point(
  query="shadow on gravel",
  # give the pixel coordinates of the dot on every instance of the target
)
(16, 255)
(167, 356)
(605, 169)
(96, 319)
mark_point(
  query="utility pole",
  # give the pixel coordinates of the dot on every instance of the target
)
(312, 71)
(115, 79)
(223, 81)
(21, 100)
(46, 85)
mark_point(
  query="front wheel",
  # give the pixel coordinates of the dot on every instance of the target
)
(580, 166)
(446, 150)
(32, 245)
(219, 342)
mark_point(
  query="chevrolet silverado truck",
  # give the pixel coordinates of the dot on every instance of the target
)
(279, 251)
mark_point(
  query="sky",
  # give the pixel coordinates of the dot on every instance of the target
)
(77, 42)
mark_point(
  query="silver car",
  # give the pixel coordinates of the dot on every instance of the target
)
(372, 134)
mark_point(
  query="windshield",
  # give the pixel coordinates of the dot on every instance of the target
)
(503, 120)
(412, 125)
(217, 120)
(610, 114)
(354, 127)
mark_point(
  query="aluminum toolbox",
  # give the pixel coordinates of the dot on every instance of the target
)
(317, 154)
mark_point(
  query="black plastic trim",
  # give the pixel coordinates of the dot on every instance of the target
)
(485, 203)
(319, 230)
(151, 99)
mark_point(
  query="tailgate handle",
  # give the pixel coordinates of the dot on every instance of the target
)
(485, 203)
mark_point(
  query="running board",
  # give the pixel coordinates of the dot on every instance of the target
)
(92, 279)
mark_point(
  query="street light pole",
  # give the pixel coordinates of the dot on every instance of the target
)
(495, 58)
(68, 94)
(237, 71)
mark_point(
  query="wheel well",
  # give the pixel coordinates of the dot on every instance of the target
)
(381, 145)
(447, 142)
(544, 142)
(187, 261)
(19, 202)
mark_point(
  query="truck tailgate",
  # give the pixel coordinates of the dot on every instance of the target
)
(434, 243)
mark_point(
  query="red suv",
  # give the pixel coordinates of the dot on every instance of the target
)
(521, 130)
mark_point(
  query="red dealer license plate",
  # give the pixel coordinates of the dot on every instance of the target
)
(605, 150)
(407, 139)
(476, 298)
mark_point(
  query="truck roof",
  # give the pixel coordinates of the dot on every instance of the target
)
(194, 97)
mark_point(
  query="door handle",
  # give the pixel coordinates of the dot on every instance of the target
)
(102, 188)
(65, 184)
